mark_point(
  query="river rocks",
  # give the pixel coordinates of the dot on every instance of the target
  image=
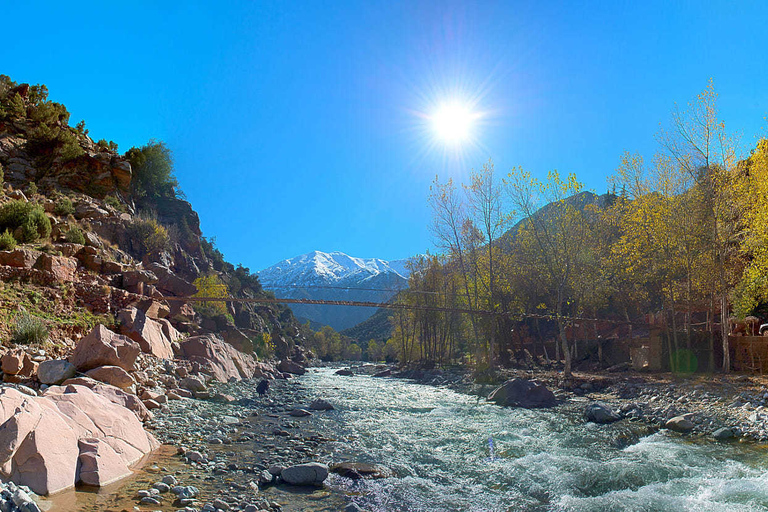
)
(146, 332)
(299, 413)
(600, 413)
(523, 393)
(344, 372)
(103, 347)
(724, 434)
(312, 473)
(385, 373)
(218, 358)
(192, 384)
(288, 366)
(113, 375)
(681, 423)
(55, 371)
(321, 405)
(358, 470)
(40, 438)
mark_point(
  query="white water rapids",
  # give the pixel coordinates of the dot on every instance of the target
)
(436, 442)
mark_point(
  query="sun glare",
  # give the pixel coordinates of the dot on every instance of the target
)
(453, 122)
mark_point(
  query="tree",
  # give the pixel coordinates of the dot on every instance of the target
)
(153, 174)
(484, 195)
(554, 243)
(700, 146)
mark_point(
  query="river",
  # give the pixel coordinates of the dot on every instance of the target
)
(438, 444)
(447, 451)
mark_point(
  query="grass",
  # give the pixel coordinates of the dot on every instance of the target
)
(56, 307)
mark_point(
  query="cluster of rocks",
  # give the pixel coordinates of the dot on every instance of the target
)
(17, 498)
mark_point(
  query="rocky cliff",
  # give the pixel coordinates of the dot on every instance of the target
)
(95, 277)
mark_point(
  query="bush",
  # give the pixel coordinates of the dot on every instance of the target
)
(29, 218)
(32, 189)
(29, 330)
(211, 285)
(74, 235)
(147, 236)
(63, 207)
(114, 203)
(153, 175)
(7, 242)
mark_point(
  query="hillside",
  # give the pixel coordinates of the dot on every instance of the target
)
(335, 276)
(92, 231)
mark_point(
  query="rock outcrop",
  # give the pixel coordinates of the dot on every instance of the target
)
(70, 434)
(218, 358)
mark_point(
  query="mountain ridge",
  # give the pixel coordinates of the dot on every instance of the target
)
(335, 276)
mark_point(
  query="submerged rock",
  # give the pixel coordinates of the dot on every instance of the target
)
(599, 412)
(523, 393)
(321, 405)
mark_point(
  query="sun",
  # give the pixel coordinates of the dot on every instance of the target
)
(453, 122)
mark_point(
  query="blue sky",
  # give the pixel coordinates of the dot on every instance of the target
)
(299, 125)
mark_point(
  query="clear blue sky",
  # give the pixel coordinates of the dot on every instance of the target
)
(295, 125)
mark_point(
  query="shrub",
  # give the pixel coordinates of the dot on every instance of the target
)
(7, 242)
(74, 235)
(263, 345)
(211, 285)
(114, 203)
(64, 207)
(29, 330)
(147, 236)
(29, 218)
(32, 189)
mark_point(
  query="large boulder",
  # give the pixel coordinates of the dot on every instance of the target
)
(99, 463)
(103, 347)
(288, 366)
(681, 423)
(599, 412)
(23, 258)
(312, 473)
(146, 332)
(113, 375)
(169, 283)
(61, 267)
(218, 358)
(523, 393)
(55, 371)
(114, 395)
(70, 434)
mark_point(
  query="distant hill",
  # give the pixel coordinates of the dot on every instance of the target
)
(335, 276)
(377, 327)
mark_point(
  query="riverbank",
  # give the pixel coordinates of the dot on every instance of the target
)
(713, 402)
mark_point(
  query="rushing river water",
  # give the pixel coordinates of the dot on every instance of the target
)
(437, 443)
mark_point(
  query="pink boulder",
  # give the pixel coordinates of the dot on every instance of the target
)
(218, 358)
(113, 375)
(103, 347)
(146, 332)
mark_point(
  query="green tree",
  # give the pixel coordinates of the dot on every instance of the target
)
(153, 173)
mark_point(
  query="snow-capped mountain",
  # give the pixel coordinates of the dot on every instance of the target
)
(335, 276)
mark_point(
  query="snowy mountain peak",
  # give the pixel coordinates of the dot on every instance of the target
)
(328, 266)
(335, 276)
